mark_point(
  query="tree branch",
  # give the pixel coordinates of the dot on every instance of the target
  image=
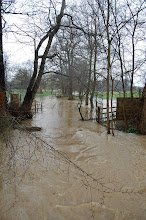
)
(55, 72)
(49, 57)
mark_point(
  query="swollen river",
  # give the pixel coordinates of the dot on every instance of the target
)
(71, 169)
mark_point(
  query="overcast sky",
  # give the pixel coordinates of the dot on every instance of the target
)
(16, 51)
(13, 48)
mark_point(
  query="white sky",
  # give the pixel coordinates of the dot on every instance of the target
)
(16, 51)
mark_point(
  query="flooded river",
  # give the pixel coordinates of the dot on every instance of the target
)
(71, 170)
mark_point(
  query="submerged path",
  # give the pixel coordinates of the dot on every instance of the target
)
(52, 188)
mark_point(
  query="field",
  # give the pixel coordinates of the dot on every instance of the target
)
(116, 94)
(98, 94)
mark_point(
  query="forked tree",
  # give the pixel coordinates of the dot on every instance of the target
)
(39, 69)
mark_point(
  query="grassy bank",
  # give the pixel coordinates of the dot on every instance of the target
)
(98, 94)
(45, 93)
(116, 94)
(22, 93)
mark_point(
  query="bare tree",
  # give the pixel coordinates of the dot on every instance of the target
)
(95, 62)
(2, 72)
(39, 70)
(69, 52)
(134, 23)
(4, 8)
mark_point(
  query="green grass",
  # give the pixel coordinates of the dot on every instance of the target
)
(116, 95)
(98, 94)
(46, 93)
(22, 92)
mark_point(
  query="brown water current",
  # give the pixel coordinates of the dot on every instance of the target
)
(71, 170)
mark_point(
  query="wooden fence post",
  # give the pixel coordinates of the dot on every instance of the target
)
(2, 103)
(35, 105)
(98, 120)
(96, 109)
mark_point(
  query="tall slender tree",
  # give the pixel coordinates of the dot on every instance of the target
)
(2, 71)
(3, 10)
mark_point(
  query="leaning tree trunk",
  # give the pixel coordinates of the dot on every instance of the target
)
(33, 86)
(37, 75)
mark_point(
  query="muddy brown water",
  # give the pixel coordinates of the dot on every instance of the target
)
(76, 173)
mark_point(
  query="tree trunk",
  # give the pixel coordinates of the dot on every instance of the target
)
(70, 96)
(123, 84)
(95, 60)
(3, 99)
(108, 68)
(89, 76)
(34, 85)
(108, 76)
(112, 122)
(37, 75)
(94, 85)
(2, 71)
(132, 73)
(70, 71)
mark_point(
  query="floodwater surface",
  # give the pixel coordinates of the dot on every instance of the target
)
(72, 170)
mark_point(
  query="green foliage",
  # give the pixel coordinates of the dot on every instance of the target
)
(133, 130)
(20, 79)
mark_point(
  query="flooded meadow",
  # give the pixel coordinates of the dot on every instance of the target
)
(71, 169)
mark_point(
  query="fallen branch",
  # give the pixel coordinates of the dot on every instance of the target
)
(33, 128)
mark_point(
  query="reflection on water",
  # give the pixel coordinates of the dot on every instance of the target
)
(105, 178)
